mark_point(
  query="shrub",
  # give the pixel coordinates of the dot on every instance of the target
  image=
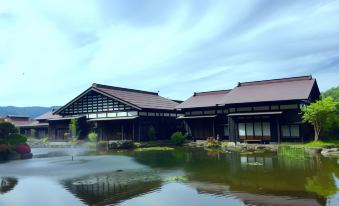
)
(121, 145)
(7, 128)
(92, 137)
(151, 133)
(212, 142)
(22, 149)
(178, 138)
(14, 139)
(3, 148)
(102, 145)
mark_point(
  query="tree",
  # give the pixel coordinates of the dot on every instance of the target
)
(73, 128)
(318, 113)
(333, 92)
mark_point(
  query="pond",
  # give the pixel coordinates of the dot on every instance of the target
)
(183, 176)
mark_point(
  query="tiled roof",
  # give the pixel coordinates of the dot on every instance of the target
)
(48, 115)
(204, 99)
(295, 88)
(141, 99)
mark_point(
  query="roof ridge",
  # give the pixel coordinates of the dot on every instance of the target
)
(211, 92)
(270, 81)
(98, 86)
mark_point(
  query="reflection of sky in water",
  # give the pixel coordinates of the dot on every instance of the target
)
(42, 191)
(333, 201)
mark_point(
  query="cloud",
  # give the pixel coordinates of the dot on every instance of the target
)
(53, 50)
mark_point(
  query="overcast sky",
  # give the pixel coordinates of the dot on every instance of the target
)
(51, 51)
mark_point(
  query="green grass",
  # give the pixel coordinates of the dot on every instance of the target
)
(313, 144)
(154, 149)
(322, 144)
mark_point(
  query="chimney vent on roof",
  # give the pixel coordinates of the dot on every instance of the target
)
(94, 85)
(194, 94)
(239, 84)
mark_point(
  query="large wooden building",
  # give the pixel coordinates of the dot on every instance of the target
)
(264, 111)
(116, 113)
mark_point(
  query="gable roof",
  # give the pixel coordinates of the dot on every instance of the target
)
(294, 88)
(204, 99)
(137, 99)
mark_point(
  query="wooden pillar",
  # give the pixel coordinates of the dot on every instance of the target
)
(213, 128)
(278, 128)
(122, 131)
(133, 130)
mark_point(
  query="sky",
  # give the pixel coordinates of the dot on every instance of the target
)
(52, 50)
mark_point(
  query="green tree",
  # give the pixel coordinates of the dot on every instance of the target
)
(33, 133)
(333, 92)
(318, 113)
(7, 128)
(73, 128)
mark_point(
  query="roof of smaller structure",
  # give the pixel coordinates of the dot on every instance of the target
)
(48, 115)
(204, 99)
(294, 88)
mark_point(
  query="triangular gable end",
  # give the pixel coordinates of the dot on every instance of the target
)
(92, 101)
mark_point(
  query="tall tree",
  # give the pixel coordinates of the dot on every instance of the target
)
(318, 113)
(333, 92)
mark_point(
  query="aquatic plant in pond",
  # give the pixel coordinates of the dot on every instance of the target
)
(154, 149)
(176, 179)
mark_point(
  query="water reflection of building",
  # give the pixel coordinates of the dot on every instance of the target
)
(111, 188)
(256, 198)
(7, 184)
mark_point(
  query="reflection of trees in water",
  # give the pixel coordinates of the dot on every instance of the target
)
(7, 184)
(110, 188)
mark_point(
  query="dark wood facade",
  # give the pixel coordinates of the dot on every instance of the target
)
(116, 114)
(277, 120)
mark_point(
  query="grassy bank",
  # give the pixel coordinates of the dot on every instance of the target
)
(314, 144)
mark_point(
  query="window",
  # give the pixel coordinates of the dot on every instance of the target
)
(292, 130)
(274, 107)
(152, 114)
(232, 109)
(122, 114)
(289, 106)
(261, 108)
(209, 112)
(101, 115)
(143, 113)
(132, 113)
(266, 129)
(257, 129)
(112, 114)
(249, 129)
(242, 131)
(196, 112)
(244, 109)
(186, 113)
(226, 131)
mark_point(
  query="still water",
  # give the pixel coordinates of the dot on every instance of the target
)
(184, 176)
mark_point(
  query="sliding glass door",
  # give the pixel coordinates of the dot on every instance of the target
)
(254, 130)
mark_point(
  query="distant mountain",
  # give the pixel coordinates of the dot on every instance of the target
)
(25, 111)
